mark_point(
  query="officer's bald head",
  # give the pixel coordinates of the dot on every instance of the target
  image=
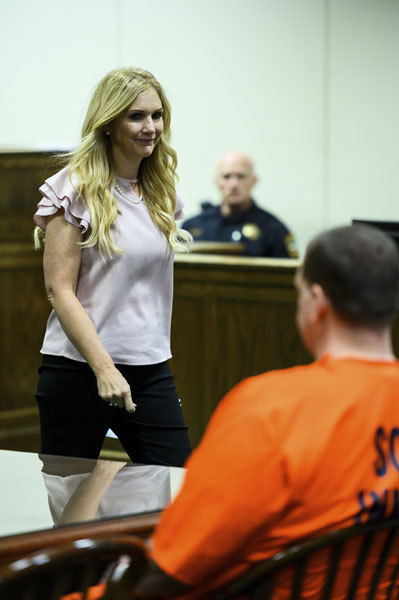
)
(235, 179)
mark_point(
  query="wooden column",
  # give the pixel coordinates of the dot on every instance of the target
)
(23, 305)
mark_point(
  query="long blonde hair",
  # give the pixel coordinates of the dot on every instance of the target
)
(92, 164)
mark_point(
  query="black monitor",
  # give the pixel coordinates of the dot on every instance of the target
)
(391, 228)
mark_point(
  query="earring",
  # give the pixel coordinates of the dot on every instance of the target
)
(107, 133)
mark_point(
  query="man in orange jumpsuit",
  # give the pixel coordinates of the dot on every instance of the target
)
(294, 453)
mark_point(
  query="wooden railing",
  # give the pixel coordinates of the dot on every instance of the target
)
(13, 547)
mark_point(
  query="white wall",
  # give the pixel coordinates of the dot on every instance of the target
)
(363, 116)
(308, 88)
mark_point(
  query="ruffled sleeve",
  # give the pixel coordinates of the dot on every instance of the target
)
(58, 192)
(179, 212)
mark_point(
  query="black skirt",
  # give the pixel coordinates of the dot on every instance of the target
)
(74, 419)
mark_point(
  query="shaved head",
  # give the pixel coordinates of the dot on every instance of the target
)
(235, 179)
(236, 158)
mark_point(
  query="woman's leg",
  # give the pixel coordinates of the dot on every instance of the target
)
(73, 418)
(156, 432)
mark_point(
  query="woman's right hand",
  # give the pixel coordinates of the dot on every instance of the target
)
(113, 388)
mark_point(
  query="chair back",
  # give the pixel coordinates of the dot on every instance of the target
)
(74, 567)
(361, 561)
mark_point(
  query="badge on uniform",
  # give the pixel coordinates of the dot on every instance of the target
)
(251, 231)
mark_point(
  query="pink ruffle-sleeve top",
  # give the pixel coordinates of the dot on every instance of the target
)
(129, 298)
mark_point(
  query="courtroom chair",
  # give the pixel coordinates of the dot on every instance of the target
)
(73, 567)
(363, 557)
(354, 559)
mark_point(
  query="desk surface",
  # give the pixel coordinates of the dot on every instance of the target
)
(40, 492)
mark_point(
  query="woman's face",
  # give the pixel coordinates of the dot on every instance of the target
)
(136, 131)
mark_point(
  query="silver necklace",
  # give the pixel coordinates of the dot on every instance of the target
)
(122, 193)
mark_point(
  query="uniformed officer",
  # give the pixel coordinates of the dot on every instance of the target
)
(238, 219)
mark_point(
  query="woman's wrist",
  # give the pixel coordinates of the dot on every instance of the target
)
(102, 367)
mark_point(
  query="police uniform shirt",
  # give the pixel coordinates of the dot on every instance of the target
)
(260, 232)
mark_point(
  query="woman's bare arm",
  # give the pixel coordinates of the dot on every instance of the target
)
(61, 263)
(85, 501)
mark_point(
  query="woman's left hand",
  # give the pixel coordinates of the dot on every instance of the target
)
(113, 388)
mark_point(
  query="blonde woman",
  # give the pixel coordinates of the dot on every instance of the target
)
(110, 231)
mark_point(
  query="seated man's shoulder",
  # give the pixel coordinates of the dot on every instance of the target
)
(323, 378)
(278, 384)
(271, 397)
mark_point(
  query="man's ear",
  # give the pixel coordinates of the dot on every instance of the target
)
(320, 302)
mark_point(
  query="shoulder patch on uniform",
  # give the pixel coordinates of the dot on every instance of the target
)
(290, 244)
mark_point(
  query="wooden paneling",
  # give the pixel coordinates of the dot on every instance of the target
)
(23, 305)
(24, 310)
(233, 318)
(21, 173)
(191, 360)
